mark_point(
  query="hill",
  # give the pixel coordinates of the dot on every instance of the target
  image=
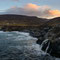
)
(21, 20)
(53, 22)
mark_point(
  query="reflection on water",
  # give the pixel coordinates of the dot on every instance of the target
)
(20, 46)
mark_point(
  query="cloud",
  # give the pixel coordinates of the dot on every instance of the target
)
(13, 7)
(34, 10)
(31, 6)
(54, 12)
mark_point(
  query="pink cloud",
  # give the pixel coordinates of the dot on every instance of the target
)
(31, 6)
(54, 12)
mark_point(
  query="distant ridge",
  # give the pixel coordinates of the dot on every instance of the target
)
(54, 21)
(21, 20)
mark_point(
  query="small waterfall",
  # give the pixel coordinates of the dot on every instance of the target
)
(45, 42)
(47, 47)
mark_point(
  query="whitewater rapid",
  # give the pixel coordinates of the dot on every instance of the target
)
(20, 41)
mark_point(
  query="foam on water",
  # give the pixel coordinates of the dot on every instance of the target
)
(21, 41)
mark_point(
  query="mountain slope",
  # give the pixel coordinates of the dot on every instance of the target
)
(54, 22)
(21, 20)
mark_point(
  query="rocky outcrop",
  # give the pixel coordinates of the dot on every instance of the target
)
(52, 45)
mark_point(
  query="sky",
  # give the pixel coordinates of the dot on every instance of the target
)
(39, 8)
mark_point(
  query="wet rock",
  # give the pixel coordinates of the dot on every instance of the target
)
(53, 45)
(55, 49)
(40, 40)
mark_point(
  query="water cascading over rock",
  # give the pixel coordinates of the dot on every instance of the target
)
(51, 42)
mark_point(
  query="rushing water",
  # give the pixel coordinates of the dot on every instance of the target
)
(21, 46)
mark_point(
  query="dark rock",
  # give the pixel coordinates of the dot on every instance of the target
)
(40, 40)
(55, 49)
(53, 35)
(45, 45)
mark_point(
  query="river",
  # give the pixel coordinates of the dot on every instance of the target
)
(21, 46)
